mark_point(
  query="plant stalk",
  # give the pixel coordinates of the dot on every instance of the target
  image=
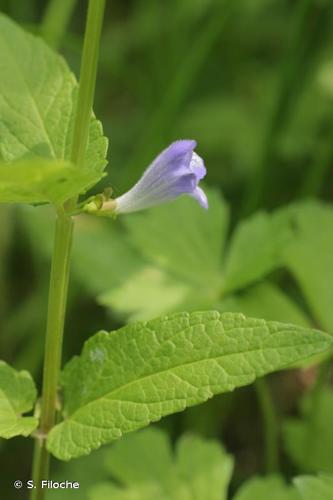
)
(87, 80)
(62, 250)
(53, 347)
(270, 425)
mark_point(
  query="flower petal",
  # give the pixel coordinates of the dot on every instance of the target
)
(199, 195)
(175, 171)
(197, 166)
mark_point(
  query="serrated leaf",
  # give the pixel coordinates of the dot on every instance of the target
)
(309, 440)
(267, 301)
(315, 488)
(17, 396)
(263, 488)
(38, 96)
(255, 250)
(126, 379)
(38, 181)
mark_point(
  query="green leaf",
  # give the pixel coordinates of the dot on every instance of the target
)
(205, 467)
(126, 379)
(264, 488)
(266, 301)
(17, 396)
(101, 254)
(183, 239)
(131, 461)
(182, 246)
(105, 491)
(309, 256)
(309, 440)
(38, 95)
(255, 250)
(198, 469)
(87, 471)
(38, 181)
(146, 294)
(315, 488)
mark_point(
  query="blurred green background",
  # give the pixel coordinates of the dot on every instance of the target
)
(252, 82)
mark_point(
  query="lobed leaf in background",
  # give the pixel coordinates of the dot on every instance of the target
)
(17, 396)
(38, 96)
(309, 438)
(192, 469)
(267, 300)
(182, 247)
(102, 254)
(273, 487)
(126, 379)
(195, 268)
(315, 488)
(309, 256)
(196, 469)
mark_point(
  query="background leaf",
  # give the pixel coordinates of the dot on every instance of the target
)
(265, 300)
(309, 256)
(255, 250)
(181, 247)
(196, 469)
(17, 396)
(183, 239)
(309, 439)
(272, 487)
(315, 488)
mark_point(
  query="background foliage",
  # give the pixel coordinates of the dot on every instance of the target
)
(252, 82)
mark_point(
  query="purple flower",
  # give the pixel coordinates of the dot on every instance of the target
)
(176, 171)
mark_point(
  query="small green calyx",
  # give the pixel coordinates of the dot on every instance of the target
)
(100, 204)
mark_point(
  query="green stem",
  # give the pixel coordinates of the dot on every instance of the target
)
(62, 249)
(56, 20)
(87, 80)
(316, 396)
(270, 425)
(53, 346)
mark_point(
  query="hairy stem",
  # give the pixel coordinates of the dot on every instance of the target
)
(62, 249)
(270, 425)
